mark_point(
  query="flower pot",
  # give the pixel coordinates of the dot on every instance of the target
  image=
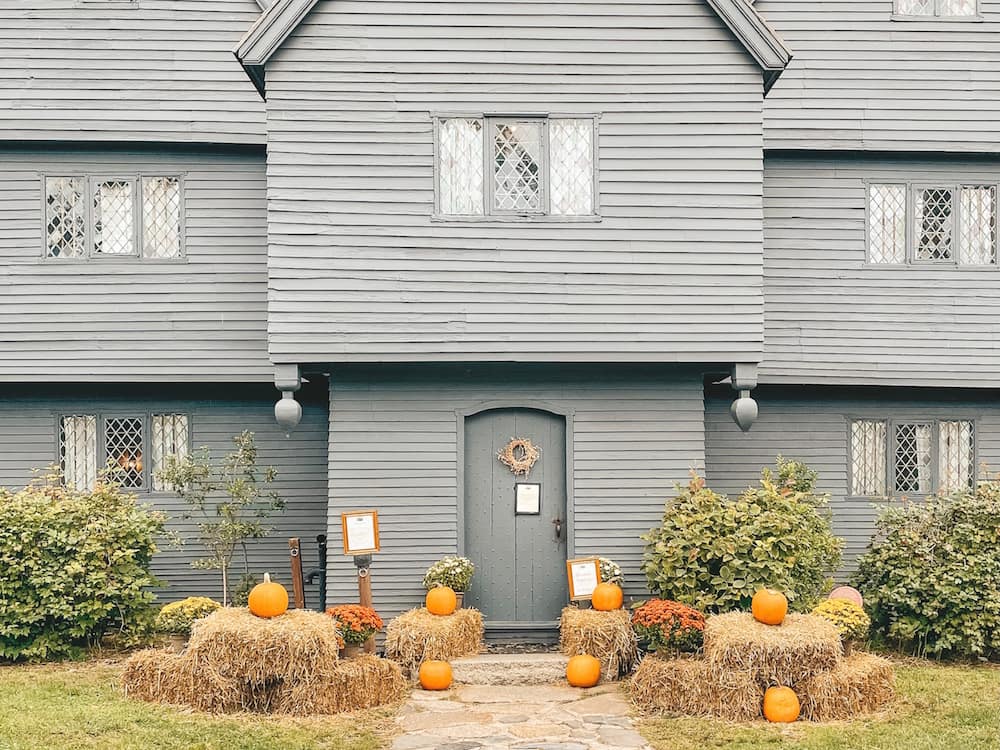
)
(459, 599)
(177, 642)
(350, 650)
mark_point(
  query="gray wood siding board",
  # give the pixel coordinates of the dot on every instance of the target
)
(358, 271)
(29, 439)
(830, 317)
(862, 81)
(198, 318)
(811, 425)
(155, 70)
(394, 445)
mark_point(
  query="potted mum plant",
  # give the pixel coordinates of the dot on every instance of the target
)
(175, 619)
(850, 619)
(453, 572)
(668, 627)
(356, 624)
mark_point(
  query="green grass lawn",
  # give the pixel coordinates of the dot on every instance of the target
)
(79, 705)
(940, 708)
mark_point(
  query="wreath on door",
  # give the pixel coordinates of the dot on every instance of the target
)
(519, 455)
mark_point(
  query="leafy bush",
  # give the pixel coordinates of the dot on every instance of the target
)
(75, 564)
(454, 572)
(669, 626)
(178, 617)
(850, 619)
(611, 571)
(932, 578)
(713, 553)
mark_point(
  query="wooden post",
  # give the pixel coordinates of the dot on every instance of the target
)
(298, 585)
(363, 564)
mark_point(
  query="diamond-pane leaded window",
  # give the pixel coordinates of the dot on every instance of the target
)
(517, 166)
(977, 236)
(65, 217)
(956, 455)
(887, 223)
(78, 451)
(169, 438)
(913, 457)
(933, 228)
(161, 217)
(943, 8)
(868, 464)
(460, 166)
(114, 228)
(123, 447)
(571, 167)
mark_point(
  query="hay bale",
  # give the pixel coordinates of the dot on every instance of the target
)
(417, 636)
(607, 635)
(783, 654)
(860, 684)
(361, 682)
(689, 687)
(298, 645)
(162, 676)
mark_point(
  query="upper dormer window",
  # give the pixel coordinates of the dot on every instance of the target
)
(932, 223)
(515, 167)
(113, 217)
(926, 9)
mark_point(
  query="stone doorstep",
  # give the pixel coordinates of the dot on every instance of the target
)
(510, 669)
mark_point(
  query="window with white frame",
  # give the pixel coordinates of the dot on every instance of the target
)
(937, 8)
(516, 166)
(911, 457)
(113, 217)
(119, 444)
(937, 223)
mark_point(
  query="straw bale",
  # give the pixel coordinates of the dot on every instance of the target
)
(777, 654)
(860, 684)
(361, 682)
(607, 635)
(689, 687)
(295, 646)
(162, 676)
(417, 636)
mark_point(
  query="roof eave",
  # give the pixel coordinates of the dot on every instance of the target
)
(271, 29)
(760, 40)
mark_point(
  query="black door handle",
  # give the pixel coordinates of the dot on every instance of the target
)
(558, 525)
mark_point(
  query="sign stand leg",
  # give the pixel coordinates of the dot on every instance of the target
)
(363, 564)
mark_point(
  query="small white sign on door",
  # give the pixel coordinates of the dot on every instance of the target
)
(528, 499)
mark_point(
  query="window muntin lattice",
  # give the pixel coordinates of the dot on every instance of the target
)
(913, 457)
(169, 437)
(868, 461)
(123, 445)
(938, 8)
(114, 227)
(933, 228)
(887, 223)
(977, 234)
(65, 217)
(956, 455)
(161, 217)
(78, 450)
(516, 166)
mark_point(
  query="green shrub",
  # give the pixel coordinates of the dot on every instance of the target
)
(932, 577)
(75, 564)
(713, 553)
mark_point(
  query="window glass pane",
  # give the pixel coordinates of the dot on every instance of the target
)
(957, 7)
(887, 223)
(956, 455)
(868, 463)
(915, 7)
(123, 444)
(517, 160)
(78, 451)
(933, 223)
(460, 171)
(977, 232)
(913, 458)
(113, 218)
(65, 211)
(169, 438)
(161, 217)
(571, 167)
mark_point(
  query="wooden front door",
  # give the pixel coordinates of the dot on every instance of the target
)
(520, 558)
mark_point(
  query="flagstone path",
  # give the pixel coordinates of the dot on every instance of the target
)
(518, 717)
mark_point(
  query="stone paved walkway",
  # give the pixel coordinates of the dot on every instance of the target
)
(518, 717)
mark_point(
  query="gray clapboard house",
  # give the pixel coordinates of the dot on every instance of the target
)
(438, 226)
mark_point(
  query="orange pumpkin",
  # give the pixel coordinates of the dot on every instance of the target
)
(435, 675)
(583, 671)
(606, 597)
(268, 599)
(769, 607)
(441, 600)
(781, 704)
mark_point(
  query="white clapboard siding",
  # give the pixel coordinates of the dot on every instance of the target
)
(394, 447)
(831, 318)
(147, 70)
(811, 425)
(200, 318)
(860, 80)
(360, 272)
(29, 440)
